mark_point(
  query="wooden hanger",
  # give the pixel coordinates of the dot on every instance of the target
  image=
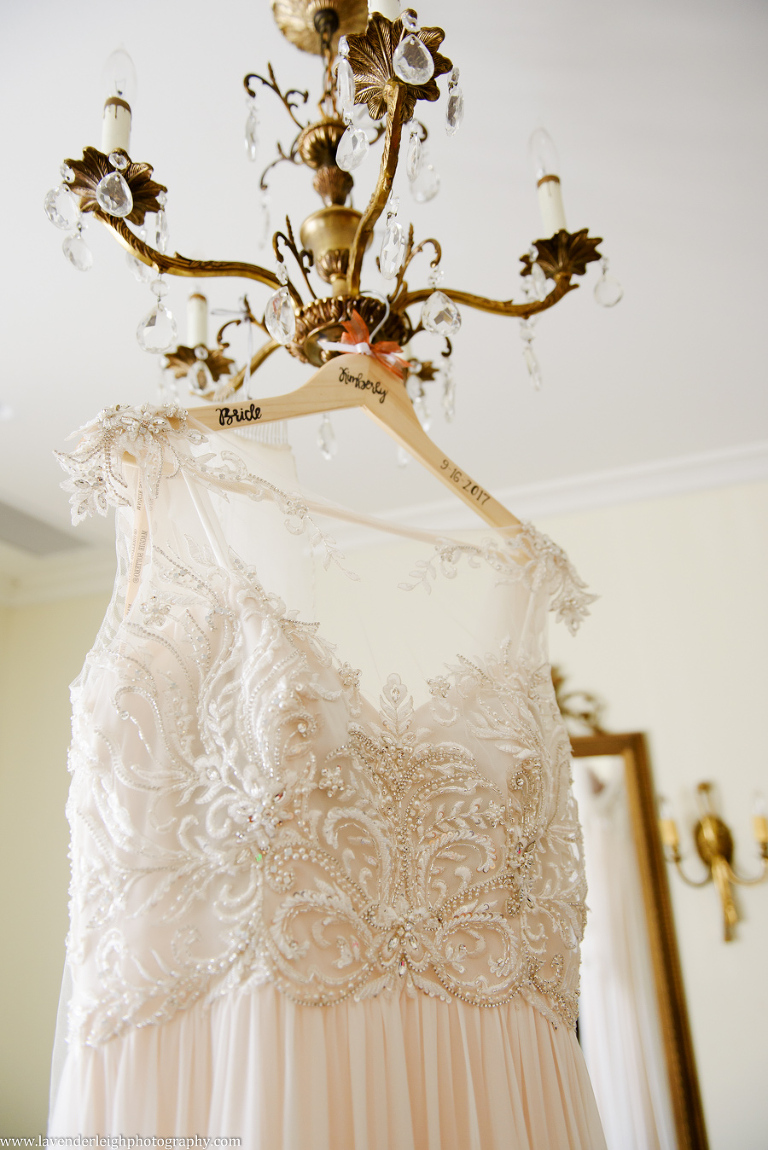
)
(361, 381)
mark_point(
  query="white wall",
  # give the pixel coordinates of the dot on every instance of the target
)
(676, 645)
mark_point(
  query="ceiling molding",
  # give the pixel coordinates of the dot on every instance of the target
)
(92, 571)
(723, 467)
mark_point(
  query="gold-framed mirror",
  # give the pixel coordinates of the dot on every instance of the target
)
(637, 984)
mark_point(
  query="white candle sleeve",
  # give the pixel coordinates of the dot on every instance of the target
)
(197, 320)
(116, 126)
(551, 206)
(388, 8)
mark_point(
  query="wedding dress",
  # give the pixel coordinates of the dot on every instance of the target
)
(327, 888)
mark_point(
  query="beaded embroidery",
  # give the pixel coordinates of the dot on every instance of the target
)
(241, 814)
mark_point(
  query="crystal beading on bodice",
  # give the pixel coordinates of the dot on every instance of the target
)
(242, 813)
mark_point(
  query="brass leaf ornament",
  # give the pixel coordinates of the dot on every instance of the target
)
(370, 57)
(182, 359)
(565, 254)
(94, 166)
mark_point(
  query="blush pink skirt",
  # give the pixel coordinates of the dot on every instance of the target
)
(385, 1074)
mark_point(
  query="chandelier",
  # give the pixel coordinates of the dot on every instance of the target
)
(376, 71)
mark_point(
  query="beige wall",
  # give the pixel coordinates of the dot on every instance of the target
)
(42, 648)
(677, 646)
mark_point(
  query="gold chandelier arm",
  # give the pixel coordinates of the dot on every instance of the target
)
(677, 860)
(233, 384)
(179, 265)
(395, 95)
(498, 307)
(752, 881)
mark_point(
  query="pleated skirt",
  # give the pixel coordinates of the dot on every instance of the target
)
(407, 1073)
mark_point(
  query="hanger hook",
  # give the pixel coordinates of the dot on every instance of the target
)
(382, 299)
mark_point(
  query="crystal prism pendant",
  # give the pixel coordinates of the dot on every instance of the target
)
(403, 458)
(532, 363)
(161, 232)
(114, 196)
(263, 225)
(539, 282)
(413, 153)
(426, 184)
(345, 87)
(326, 439)
(144, 273)
(440, 314)
(449, 394)
(352, 149)
(61, 208)
(279, 316)
(252, 133)
(422, 411)
(157, 331)
(77, 252)
(392, 249)
(608, 291)
(412, 61)
(454, 112)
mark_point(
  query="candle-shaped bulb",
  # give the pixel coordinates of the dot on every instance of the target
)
(546, 167)
(119, 78)
(760, 818)
(667, 825)
(543, 153)
(197, 320)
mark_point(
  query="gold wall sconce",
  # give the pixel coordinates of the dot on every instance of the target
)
(714, 844)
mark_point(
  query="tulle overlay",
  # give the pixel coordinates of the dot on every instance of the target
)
(390, 1073)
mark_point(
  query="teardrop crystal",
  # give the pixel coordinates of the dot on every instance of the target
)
(252, 133)
(454, 111)
(326, 439)
(392, 249)
(352, 149)
(608, 291)
(426, 185)
(413, 154)
(279, 316)
(200, 378)
(161, 232)
(157, 331)
(412, 61)
(345, 87)
(440, 315)
(77, 252)
(114, 196)
(61, 208)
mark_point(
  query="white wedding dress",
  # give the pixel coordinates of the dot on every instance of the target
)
(327, 887)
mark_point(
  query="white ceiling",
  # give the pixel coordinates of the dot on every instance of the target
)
(658, 110)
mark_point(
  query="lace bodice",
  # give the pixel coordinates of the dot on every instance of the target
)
(243, 811)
